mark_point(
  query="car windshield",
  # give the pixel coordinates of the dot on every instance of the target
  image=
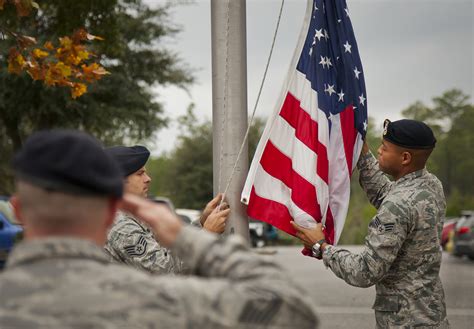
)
(469, 221)
(7, 212)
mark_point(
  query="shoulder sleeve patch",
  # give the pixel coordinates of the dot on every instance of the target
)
(381, 228)
(138, 249)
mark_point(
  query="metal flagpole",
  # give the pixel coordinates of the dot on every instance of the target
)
(229, 105)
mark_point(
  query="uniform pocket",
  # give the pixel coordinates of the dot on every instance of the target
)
(386, 303)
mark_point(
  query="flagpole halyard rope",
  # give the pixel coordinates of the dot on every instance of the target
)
(229, 181)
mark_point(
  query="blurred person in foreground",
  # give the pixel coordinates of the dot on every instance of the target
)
(132, 242)
(67, 193)
(402, 254)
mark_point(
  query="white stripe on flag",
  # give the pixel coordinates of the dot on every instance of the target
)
(268, 187)
(300, 88)
(302, 157)
(339, 180)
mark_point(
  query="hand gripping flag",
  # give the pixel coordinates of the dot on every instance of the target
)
(305, 158)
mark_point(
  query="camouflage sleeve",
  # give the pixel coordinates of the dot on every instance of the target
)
(138, 248)
(243, 289)
(387, 232)
(373, 181)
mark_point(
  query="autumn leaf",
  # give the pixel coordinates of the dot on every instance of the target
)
(78, 89)
(49, 45)
(38, 53)
(63, 69)
(35, 71)
(24, 7)
(91, 37)
(66, 43)
(24, 41)
(67, 64)
(16, 61)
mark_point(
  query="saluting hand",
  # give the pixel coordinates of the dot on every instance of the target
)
(164, 224)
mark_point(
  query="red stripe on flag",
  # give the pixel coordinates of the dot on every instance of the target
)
(303, 193)
(271, 212)
(306, 130)
(349, 134)
(329, 231)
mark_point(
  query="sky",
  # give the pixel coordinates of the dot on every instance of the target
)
(410, 50)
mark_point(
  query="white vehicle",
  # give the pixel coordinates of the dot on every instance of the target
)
(188, 215)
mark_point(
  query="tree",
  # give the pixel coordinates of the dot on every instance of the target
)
(68, 64)
(452, 119)
(185, 174)
(122, 105)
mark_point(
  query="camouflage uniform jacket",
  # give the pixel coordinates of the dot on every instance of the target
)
(70, 283)
(131, 242)
(402, 255)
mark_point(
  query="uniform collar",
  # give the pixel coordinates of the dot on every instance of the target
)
(55, 247)
(123, 214)
(412, 175)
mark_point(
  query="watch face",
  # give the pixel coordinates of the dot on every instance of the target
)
(316, 250)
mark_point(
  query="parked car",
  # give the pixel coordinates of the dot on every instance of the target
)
(164, 201)
(10, 233)
(188, 215)
(464, 235)
(448, 227)
(261, 233)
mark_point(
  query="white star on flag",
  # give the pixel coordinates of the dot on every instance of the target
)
(323, 61)
(328, 61)
(347, 47)
(362, 99)
(319, 34)
(341, 96)
(330, 90)
(356, 72)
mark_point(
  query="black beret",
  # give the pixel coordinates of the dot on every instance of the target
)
(68, 161)
(130, 159)
(411, 134)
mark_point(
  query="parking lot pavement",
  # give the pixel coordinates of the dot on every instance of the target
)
(340, 305)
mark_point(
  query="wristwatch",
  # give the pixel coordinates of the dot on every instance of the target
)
(316, 248)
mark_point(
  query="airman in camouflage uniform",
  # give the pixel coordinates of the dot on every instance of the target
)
(70, 283)
(402, 255)
(60, 277)
(131, 242)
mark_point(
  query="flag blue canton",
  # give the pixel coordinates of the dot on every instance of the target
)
(330, 61)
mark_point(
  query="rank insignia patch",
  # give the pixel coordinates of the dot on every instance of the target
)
(381, 228)
(137, 249)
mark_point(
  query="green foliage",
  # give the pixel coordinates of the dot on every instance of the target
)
(121, 104)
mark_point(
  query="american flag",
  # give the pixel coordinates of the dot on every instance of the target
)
(304, 161)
